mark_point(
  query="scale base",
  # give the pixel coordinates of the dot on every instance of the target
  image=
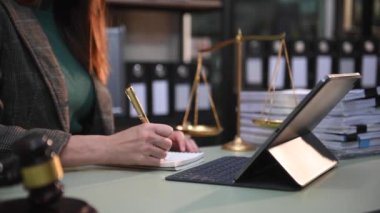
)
(238, 145)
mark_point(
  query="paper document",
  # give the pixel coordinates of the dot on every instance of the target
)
(175, 159)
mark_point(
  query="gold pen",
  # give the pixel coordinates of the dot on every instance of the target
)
(136, 104)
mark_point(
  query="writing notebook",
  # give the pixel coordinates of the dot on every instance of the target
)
(181, 160)
(175, 161)
(292, 156)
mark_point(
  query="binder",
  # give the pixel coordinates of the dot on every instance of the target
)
(203, 101)
(254, 76)
(205, 115)
(279, 83)
(138, 77)
(183, 75)
(159, 90)
(299, 61)
(369, 63)
(323, 60)
(347, 56)
(117, 78)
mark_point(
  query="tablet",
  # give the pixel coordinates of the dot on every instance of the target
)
(292, 156)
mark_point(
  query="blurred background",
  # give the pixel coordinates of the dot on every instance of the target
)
(169, 33)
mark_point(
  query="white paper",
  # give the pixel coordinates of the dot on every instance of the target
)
(160, 96)
(346, 65)
(141, 93)
(254, 71)
(369, 71)
(299, 68)
(280, 80)
(324, 67)
(173, 159)
(181, 95)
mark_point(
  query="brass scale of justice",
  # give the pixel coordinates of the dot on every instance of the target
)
(199, 130)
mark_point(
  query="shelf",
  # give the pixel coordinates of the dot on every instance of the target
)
(183, 5)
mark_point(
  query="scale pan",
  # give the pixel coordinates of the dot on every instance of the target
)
(199, 130)
(267, 123)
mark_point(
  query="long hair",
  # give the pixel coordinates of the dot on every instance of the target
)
(83, 25)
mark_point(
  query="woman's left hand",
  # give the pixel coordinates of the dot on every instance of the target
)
(182, 142)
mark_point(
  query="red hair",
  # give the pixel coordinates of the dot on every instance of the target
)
(84, 29)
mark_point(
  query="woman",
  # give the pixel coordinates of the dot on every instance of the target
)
(53, 71)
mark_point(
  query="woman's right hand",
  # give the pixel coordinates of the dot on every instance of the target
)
(144, 144)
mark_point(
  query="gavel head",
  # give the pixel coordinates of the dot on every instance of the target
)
(41, 169)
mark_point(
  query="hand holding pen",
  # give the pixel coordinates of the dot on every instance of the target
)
(180, 142)
(141, 145)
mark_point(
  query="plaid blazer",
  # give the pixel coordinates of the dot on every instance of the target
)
(33, 93)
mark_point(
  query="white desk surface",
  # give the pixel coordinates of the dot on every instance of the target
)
(353, 186)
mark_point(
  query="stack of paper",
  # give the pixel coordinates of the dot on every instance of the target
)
(260, 105)
(351, 129)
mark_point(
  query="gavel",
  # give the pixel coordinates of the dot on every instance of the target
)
(41, 174)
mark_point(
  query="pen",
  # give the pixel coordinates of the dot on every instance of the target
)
(136, 104)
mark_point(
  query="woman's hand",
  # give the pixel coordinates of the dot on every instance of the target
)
(183, 143)
(144, 144)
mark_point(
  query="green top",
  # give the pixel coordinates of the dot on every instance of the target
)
(80, 87)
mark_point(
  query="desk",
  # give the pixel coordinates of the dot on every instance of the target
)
(354, 186)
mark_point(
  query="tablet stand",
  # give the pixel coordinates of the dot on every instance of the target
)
(289, 165)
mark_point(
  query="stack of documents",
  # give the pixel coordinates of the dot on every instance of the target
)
(351, 129)
(259, 105)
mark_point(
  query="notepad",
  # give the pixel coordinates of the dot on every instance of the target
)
(181, 160)
(176, 161)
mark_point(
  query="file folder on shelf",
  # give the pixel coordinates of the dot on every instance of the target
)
(159, 88)
(183, 75)
(324, 57)
(299, 51)
(272, 60)
(347, 56)
(369, 63)
(138, 77)
(254, 74)
(203, 99)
